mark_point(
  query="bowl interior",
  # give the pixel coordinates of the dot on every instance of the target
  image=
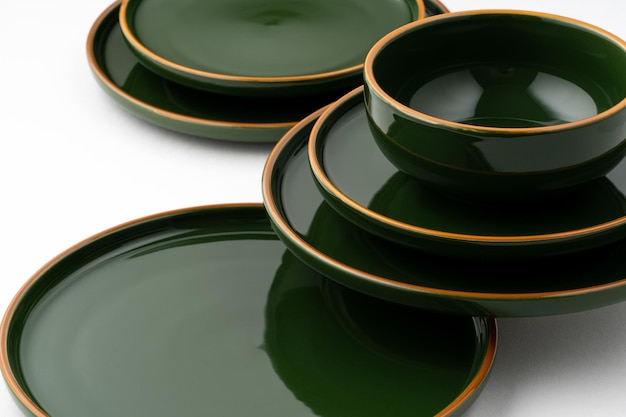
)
(503, 69)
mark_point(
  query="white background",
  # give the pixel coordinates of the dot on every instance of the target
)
(73, 163)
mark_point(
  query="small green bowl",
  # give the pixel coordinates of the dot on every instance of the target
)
(499, 104)
(256, 48)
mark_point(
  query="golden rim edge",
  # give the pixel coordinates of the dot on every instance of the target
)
(481, 376)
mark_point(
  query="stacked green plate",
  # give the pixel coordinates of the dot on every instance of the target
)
(332, 236)
(143, 85)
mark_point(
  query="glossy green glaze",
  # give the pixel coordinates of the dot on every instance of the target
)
(202, 311)
(256, 47)
(508, 106)
(434, 7)
(344, 252)
(361, 184)
(183, 109)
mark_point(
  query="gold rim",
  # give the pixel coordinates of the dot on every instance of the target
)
(99, 73)
(141, 48)
(320, 175)
(372, 83)
(271, 206)
(480, 377)
(5, 366)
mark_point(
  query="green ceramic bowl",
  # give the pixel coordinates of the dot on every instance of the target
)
(259, 48)
(499, 104)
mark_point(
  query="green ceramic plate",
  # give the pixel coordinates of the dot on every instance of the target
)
(183, 109)
(260, 47)
(340, 250)
(361, 184)
(202, 311)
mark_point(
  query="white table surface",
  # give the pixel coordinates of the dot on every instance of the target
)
(73, 163)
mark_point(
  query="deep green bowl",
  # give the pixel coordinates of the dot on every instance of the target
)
(499, 104)
(258, 48)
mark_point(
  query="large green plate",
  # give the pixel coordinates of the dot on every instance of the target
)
(361, 184)
(203, 312)
(340, 250)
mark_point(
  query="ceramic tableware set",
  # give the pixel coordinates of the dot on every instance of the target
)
(477, 173)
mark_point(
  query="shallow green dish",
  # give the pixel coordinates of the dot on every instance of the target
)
(202, 311)
(183, 109)
(260, 48)
(344, 252)
(361, 184)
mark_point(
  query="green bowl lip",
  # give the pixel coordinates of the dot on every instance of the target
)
(208, 77)
(373, 87)
(320, 176)
(6, 370)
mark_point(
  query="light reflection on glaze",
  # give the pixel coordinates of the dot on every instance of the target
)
(503, 97)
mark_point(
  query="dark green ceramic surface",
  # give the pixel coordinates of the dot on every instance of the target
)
(203, 312)
(508, 105)
(359, 182)
(173, 106)
(434, 7)
(256, 47)
(344, 252)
